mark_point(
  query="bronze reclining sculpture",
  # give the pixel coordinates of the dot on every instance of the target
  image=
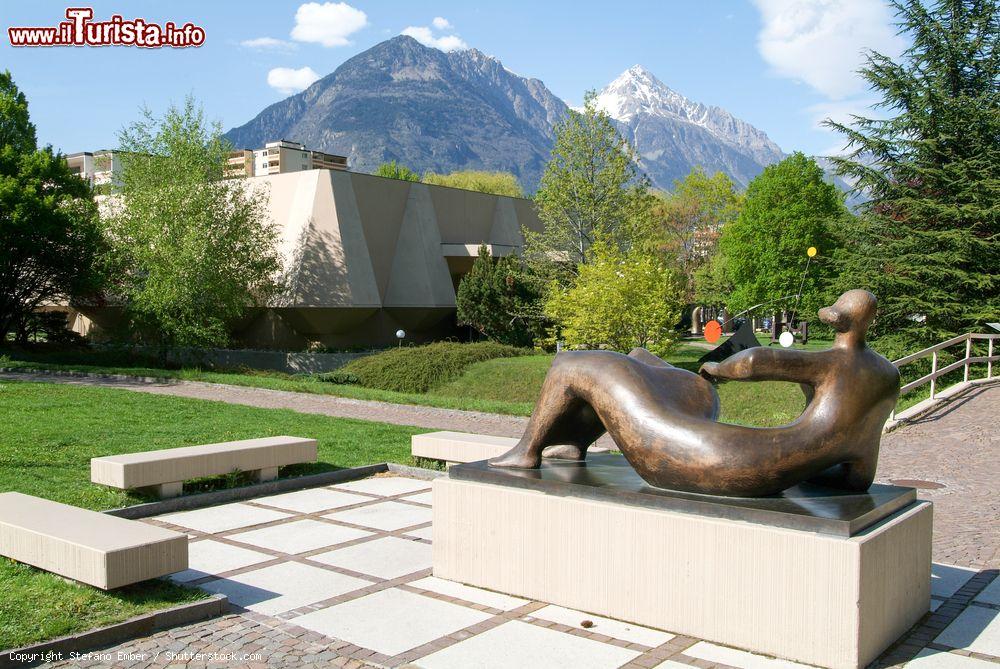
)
(664, 419)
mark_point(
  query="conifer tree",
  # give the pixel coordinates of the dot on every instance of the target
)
(927, 242)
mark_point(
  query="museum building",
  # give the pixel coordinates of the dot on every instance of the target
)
(366, 256)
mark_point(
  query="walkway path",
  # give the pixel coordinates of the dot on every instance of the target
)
(957, 446)
(327, 405)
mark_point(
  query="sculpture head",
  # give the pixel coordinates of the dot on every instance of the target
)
(852, 313)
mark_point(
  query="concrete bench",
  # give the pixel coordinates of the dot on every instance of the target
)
(163, 472)
(457, 447)
(87, 546)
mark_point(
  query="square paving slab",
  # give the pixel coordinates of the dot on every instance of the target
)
(313, 500)
(739, 658)
(976, 629)
(299, 536)
(284, 587)
(389, 557)
(385, 485)
(222, 518)
(209, 558)
(606, 626)
(936, 659)
(384, 516)
(495, 600)
(423, 533)
(990, 594)
(422, 498)
(526, 646)
(947, 580)
(391, 621)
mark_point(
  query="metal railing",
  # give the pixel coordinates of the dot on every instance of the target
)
(937, 372)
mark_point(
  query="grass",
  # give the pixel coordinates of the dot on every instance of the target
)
(48, 435)
(260, 379)
(505, 386)
(519, 380)
(36, 605)
(71, 424)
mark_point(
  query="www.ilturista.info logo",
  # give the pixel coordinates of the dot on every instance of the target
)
(79, 30)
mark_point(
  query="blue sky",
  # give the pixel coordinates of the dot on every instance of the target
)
(778, 64)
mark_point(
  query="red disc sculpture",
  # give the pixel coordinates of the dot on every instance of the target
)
(712, 331)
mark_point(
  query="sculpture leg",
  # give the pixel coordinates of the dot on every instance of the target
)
(584, 427)
(561, 417)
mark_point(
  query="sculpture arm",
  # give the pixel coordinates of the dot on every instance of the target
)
(766, 364)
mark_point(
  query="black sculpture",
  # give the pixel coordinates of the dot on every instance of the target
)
(741, 340)
(664, 419)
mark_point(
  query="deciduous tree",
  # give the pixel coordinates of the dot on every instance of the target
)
(691, 218)
(619, 301)
(788, 208)
(50, 241)
(495, 183)
(590, 190)
(393, 170)
(192, 250)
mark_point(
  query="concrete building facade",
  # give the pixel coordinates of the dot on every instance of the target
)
(366, 256)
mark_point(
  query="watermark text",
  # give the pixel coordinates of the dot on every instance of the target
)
(81, 30)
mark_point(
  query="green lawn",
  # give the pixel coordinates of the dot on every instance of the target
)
(517, 381)
(48, 435)
(259, 379)
(50, 432)
(36, 605)
(504, 385)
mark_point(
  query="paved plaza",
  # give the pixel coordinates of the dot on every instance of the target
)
(341, 576)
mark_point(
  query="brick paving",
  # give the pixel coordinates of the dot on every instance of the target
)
(958, 445)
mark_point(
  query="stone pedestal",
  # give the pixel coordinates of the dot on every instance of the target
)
(814, 575)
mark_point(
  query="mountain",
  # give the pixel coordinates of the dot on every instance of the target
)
(671, 134)
(440, 112)
(429, 110)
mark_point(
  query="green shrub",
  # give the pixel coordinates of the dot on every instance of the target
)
(338, 378)
(418, 369)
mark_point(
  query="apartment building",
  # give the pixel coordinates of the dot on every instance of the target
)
(97, 168)
(281, 157)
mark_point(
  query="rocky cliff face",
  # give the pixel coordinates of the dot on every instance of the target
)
(427, 109)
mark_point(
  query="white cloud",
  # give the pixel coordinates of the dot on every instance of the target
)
(288, 81)
(329, 24)
(842, 111)
(821, 42)
(441, 23)
(267, 43)
(425, 36)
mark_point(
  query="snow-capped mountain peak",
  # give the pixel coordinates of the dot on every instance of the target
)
(637, 90)
(654, 116)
